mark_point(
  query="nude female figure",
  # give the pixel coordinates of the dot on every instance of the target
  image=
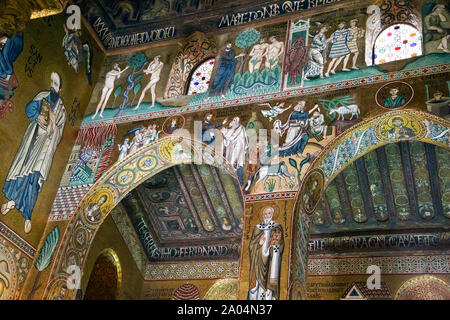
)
(153, 68)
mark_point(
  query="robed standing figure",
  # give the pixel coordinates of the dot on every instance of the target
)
(235, 143)
(10, 49)
(33, 160)
(266, 248)
(297, 130)
(296, 60)
(225, 73)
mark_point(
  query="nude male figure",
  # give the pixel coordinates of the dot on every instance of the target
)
(154, 68)
(274, 51)
(111, 77)
(257, 54)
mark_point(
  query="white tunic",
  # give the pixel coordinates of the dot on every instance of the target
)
(35, 153)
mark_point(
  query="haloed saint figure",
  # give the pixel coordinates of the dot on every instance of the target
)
(33, 160)
(266, 248)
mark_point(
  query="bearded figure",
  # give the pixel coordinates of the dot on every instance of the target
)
(266, 248)
(32, 163)
(235, 141)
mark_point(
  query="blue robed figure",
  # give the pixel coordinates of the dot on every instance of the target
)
(225, 73)
(10, 49)
(72, 48)
(297, 135)
(33, 159)
(208, 133)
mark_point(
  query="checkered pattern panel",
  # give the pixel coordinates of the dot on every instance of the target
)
(67, 199)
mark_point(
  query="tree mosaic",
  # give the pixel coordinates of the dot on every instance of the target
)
(255, 70)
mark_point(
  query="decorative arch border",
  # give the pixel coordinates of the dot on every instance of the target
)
(195, 49)
(12, 281)
(386, 13)
(116, 261)
(395, 12)
(369, 135)
(414, 280)
(116, 183)
(353, 144)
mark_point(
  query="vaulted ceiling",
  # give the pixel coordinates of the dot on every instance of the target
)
(115, 18)
(139, 12)
(187, 206)
(402, 186)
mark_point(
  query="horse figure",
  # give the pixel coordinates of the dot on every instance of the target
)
(279, 170)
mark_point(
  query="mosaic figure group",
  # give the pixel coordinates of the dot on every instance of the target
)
(271, 53)
(344, 44)
(339, 48)
(142, 137)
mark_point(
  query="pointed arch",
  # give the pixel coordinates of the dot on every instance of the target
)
(105, 279)
(385, 14)
(200, 76)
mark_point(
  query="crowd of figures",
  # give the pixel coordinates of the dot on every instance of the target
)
(263, 54)
(340, 51)
(262, 160)
(339, 47)
(321, 51)
(143, 136)
(319, 55)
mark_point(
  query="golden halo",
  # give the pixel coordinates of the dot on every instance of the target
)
(413, 123)
(406, 120)
(106, 206)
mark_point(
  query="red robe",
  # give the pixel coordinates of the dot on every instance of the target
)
(296, 60)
